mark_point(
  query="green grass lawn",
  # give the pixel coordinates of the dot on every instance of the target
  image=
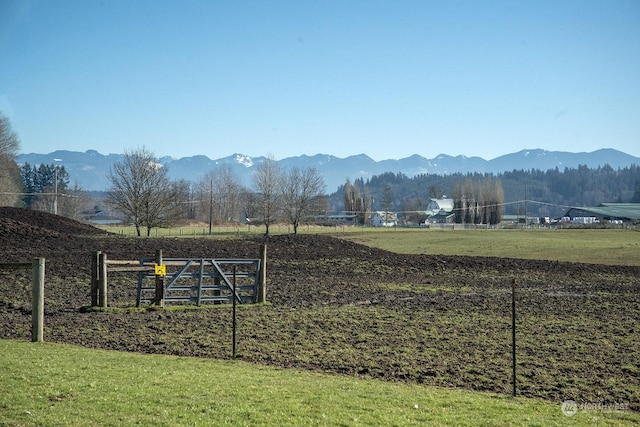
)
(616, 247)
(48, 384)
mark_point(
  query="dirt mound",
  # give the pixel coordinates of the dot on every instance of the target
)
(18, 222)
(319, 246)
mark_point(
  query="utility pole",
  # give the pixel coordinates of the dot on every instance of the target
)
(55, 185)
(525, 208)
(513, 334)
(210, 205)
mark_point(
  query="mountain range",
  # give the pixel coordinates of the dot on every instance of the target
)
(89, 169)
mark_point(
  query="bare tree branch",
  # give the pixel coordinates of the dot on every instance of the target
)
(300, 190)
(266, 180)
(10, 179)
(141, 190)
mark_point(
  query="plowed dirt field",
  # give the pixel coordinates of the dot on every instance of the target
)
(341, 307)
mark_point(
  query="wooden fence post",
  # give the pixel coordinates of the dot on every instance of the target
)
(37, 301)
(513, 334)
(234, 324)
(95, 262)
(102, 279)
(262, 283)
(159, 300)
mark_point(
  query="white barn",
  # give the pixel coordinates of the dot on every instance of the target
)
(439, 211)
(384, 219)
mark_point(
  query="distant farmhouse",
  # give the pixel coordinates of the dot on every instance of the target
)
(384, 219)
(440, 211)
(611, 212)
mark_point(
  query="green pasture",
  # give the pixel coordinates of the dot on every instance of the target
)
(594, 246)
(614, 247)
(44, 384)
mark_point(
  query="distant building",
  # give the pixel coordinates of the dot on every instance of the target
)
(440, 211)
(613, 212)
(336, 219)
(528, 220)
(384, 219)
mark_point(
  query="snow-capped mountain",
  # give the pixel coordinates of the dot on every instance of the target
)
(90, 169)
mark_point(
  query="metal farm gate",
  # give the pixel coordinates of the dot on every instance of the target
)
(203, 280)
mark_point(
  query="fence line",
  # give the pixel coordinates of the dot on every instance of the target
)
(156, 268)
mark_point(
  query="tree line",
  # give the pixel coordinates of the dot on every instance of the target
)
(477, 199)
(142, 192)
(550, 193)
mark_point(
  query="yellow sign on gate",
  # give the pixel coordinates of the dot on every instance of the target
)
(161, 270)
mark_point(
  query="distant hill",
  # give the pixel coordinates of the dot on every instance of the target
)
(89, 169)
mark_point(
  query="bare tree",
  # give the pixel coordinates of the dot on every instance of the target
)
(222, 195)
(141, 190)
(354, 203)
(367, 203)
(300, 190)
(10, 182)
(9, 142)
(478, 201)
(470, 201)
(10, 179)
(184, 199)
(387, 203)
(73, 202)
(266, 179)
(164, 207)
(497, 202)
(348, 196)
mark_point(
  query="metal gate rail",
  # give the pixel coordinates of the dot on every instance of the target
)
(214, 280)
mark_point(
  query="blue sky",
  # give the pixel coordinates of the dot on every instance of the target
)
(287, 78)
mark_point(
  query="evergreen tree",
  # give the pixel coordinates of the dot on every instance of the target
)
(636, 194)
(44, 186)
